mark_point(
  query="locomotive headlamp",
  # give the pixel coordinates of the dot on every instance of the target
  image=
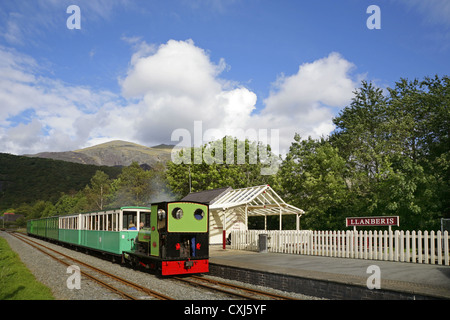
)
(161, 214)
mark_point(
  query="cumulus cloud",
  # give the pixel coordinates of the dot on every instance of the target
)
(178, 84)
(305, 102)
(42, 114)
(166, 87)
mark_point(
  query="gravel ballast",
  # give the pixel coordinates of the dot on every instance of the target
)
(55, 276)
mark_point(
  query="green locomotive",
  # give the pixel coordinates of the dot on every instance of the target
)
(170, 237)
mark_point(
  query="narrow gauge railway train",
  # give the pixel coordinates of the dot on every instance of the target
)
(171, 238)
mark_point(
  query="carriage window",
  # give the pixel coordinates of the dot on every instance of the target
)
(115, 222)
(129, 220)
(101, 222)
(144, 220)
(108, 222)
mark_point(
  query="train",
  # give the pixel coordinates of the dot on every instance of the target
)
(171, 238)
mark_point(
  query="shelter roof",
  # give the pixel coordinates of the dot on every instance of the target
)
(258, 200)
(207, 196)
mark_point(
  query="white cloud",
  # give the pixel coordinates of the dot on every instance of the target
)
(166, 88)
(178, 84)
(305, 102)
(41, 114)
(178, 68)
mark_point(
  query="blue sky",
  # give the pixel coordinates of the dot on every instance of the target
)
(140, 70)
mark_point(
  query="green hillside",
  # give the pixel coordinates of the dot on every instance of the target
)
(25, 179)
(113, 153)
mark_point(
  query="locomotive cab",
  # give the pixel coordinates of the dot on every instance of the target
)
(177, 238)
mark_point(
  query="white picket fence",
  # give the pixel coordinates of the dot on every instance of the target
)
(405, 246)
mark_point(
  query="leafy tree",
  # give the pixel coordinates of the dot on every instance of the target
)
(133, 186)
(221, 163)
(98, 192)
(396, 148)
(313, 177)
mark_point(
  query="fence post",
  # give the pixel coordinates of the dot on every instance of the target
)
(361, 244)
(321, 243)
(408, 253)
(314, 244)
(425, 239)
(350, 242)
(364, 243)
(432, 248)
(336, 243)
(396, 245)
(446, 251)
(419, 246)
(413, 246)
(402, 246)
(308, 244)
(380, 245)
(439, 247)
(339, 240)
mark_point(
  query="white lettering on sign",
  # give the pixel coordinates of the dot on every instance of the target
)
(373, 221)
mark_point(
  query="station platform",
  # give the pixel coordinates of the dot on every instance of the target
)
(333, 278)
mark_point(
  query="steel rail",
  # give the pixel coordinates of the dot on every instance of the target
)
(231, 286)
(115, 277)
(235, 286)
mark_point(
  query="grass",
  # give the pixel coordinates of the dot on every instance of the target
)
(16, 281)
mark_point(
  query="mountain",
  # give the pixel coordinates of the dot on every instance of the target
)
(113, 153)
(26, 179)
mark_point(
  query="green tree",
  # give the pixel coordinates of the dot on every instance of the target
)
(313, 177)
(420, 111)
(40, 209)
(222, 163)
(98, 193)
(396, 148)
(133, 186)
(70, 204)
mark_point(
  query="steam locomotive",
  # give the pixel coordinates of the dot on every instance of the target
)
(171, 238)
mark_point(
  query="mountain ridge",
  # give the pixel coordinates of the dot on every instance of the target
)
(113, 153)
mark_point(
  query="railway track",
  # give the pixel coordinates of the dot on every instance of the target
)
(232, 289)
(101, 277)
(203, 282)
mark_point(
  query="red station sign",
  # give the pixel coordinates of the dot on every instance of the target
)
(372, 221)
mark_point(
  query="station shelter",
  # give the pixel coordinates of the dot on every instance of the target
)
(230, 208)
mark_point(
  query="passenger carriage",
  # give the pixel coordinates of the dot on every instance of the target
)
(103, 231)
(170, 237)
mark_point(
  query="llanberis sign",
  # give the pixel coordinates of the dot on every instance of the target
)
(372, 221)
